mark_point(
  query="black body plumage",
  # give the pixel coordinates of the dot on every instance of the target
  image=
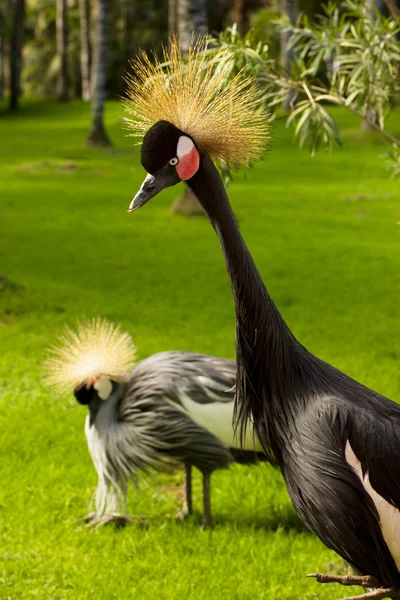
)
(306, 411)
(307, 414)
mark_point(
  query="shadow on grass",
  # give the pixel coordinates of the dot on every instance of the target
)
(285, 521)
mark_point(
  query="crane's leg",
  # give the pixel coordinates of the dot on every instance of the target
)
(207, 519)
(109, 505)
(377, 589)
(187, 507)
(98, 502)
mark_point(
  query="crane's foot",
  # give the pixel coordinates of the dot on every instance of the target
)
(92, 516)
(378, 590)
(115, 518)
(365, 581)
(94, 523)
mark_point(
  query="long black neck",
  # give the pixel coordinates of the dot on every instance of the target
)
(266, 351)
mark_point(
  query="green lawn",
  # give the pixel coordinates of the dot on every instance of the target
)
(324, 232)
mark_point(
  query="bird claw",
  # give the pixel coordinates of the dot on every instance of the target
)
(380, 590)
(95, 521)
(365, 581)
(377, 594)
(117, 519)
(92, 516)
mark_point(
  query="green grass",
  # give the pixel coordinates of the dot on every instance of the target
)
(324, 234)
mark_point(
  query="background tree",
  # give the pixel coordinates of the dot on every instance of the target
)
(2, 54)
(288, 15)
(127, 24)
(240, 15)
(135, 24)
(62, 49)
(198, 17)
(3, 26)
(171, 17)
(16, 42)
(42, 65)
(393, 8)
(85, 48)
(347, 58)
(184, 26)
(1, 64)
(98, 135)
(374, 7)
(192, 21)
(52, 53)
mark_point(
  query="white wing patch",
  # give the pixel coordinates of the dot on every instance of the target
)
(217, 417)
(389, 515)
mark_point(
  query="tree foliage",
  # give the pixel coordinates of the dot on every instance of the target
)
(347, 57)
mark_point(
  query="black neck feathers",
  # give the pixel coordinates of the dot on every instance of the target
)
(269, 358)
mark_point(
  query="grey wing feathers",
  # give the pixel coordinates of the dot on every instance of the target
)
(203, 378)
(152, 422)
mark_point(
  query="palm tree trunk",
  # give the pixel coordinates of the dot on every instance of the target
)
(393, 9)
(98, 135)
(128, 16)
(85, 48)
(16, 43)
(1, 65)
(171, 17)
(62, 49)
(187, 204)
(366, 125)
(192, 22)
(184, 25)
(240, 15)
(288, 13)
(198, 17)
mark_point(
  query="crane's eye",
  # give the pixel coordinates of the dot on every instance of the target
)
(173, 162)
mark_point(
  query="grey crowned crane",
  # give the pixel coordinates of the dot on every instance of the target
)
(336, 442)
(171, 407)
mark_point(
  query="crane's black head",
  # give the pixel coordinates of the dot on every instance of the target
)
(100, 388)
(94, 394)
(169, 156)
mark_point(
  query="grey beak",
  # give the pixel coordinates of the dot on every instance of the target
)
(153, 185)
(146, 192)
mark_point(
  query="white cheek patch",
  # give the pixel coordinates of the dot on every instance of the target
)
(185, 146)
(103, 388)
(188, 158)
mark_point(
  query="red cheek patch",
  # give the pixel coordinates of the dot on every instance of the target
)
(189, 159)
